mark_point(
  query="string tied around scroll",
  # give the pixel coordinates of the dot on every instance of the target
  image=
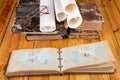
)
(44, 10)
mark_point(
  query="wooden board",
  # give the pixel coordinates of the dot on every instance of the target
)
(5, 16)
(16, 41)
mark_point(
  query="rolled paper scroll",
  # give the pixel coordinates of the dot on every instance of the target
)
(47, 16)
(60, 13)
(74, 20)
(69, 6)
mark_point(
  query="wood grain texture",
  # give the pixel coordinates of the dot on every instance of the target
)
(110, 32)
(5, 16)
(117, 36)
(23, 44)
(107, 34)
(2, 2)
(112, 11)
(117, 3)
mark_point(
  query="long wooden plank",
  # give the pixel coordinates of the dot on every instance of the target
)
(13, 41)
(117, 35)
(103, 76)
(107, 34)
(7, 36)
(117, 2)
(5, 17)
(82, 0)
(113, 15)
(10, 42)
(2, 5)
(23, 44)
(100, 77)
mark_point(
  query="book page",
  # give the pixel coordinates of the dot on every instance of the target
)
(33, 60)
(86, 55)
(99, 67)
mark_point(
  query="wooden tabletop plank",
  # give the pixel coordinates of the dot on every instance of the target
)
(117, 2)
(117, 36)
(2, 5)
(23, 44)
(112, 14)
(82, 0)
(15, 41)
(107, 34)
(5, 17)
(9, 43)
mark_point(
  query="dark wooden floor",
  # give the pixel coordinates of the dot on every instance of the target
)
(110, 10)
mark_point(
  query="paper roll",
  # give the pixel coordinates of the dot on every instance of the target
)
(74, 20)
(60, 13)
(69, 6)
(47, 16)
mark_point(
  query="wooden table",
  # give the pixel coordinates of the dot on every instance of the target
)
(110, 10)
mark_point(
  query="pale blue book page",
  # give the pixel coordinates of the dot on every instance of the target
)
(86, 55)
(34, 59)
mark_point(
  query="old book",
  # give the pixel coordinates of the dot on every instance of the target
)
(60, 33)
(87, 34)
(86, 58)
(92, 22)
(28, 22)
(92, 18)
(37, 37)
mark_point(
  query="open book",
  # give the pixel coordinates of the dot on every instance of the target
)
(85, 58)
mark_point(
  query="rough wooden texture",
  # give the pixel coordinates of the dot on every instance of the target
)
(110, 10)
(5, 16)
(2, 2)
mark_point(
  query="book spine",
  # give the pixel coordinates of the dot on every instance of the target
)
(60, 59)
